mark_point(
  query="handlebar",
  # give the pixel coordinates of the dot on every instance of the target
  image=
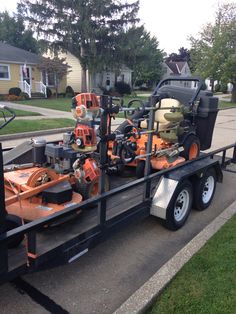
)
(188, 79)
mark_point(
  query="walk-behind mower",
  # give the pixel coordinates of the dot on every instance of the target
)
(182, 124)
(55, 175)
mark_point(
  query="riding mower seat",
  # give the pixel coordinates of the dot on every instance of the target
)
(160, 119)
(171, 134)
(167, 119)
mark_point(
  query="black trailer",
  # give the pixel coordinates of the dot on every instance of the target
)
(112, 210)
(167, 194)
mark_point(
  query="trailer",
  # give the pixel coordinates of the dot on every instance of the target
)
(168, 194)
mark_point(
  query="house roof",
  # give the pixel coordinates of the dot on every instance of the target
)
(176, 67)
(12, 54)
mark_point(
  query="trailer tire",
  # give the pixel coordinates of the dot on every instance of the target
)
(191, 147)
(12, 222)
(180, 206)
(204, 190)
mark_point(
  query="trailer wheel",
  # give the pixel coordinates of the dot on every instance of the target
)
(191, 147)
(12, 222)
(180, 206)
(140, 169)
(88, 190)
(204, 190)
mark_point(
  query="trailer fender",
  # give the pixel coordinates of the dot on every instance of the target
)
(163, 196)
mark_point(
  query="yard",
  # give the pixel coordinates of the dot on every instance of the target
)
(207, 283)
(22, 113)
(64, 104)
(19, 126)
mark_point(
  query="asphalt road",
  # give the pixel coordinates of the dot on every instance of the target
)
(101, 280)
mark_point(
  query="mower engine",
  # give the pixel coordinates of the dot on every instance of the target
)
(60, 158)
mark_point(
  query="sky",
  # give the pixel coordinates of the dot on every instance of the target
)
(172, 21)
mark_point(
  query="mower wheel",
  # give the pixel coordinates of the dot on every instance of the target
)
(204, 190)
(91, 189)
(140, 169)
(120, 167)
(191, 147)
(12, 222)
(180, 206)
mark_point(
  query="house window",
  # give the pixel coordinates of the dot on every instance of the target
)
(4, 72)
(49, 78)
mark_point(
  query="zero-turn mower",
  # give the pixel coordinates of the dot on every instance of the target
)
(183, 120)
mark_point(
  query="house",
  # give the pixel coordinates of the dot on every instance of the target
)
(177, 69)
(95, 81)
(107, 79)
(19, 68)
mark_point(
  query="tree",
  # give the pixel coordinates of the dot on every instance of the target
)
(13, 32)
(87, 29)
(56, 67)
(214, 51)
(183, 55)
(140, 52)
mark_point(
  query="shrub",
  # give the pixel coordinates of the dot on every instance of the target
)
(123, 88)
(217, 88)
(14, 91)
(224, 88)
(69, 91)
(49, 92)
(13, 98)
(24, 96)
(204, 86)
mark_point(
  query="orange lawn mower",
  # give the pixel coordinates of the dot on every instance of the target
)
(59, 175)
(182, 124)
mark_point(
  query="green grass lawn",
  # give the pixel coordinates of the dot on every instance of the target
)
(18, 126)
(21, 113)
(207, 283)
(62, 104)
(226, 104)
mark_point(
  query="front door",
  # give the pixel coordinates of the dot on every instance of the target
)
(26, 74)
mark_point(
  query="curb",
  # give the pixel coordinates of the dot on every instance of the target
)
(144, 297)
(33, 134)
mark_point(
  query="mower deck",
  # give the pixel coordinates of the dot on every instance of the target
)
(51, 237)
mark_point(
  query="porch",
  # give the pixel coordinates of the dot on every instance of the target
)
(34, 89)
